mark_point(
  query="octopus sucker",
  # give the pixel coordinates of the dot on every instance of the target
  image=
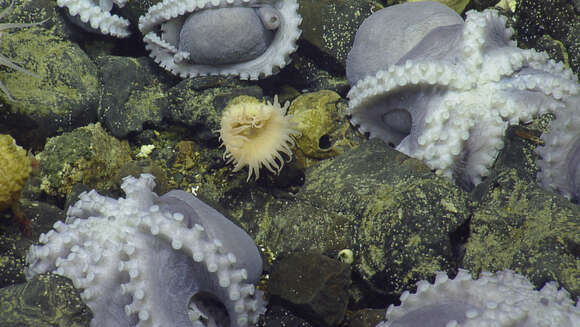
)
(559, 156)
(150, 260)
(96, 16)
(501, 299)
(450, 88)
(251, 39)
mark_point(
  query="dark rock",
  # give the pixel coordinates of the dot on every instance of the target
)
(15, 240)
(63, 94)
(13, 246)
(535, 18)
(278, 315)
(522, 227)
(480, 4)
(306, 74)
(313, 285)
(329, 27)
(45, 301)
(399, 219)
(404, 214)
(87, 155)
(42, 217)
(198, 103)
(554, 18)
(133, 100)
(367, 317)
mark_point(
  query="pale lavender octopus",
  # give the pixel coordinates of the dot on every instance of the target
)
(146, 260)
(444, 91)
(249, 38)
(501, 299)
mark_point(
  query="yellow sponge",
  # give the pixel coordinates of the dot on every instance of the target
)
(14, 170)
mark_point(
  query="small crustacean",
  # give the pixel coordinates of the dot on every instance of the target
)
(248, 38)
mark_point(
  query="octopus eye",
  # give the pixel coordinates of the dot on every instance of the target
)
(398, 120)
(270, 17)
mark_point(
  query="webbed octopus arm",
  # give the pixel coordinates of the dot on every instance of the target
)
(559, 156)
(154, 261)
(449, 99)
(248, 38)
(97, 16)
(502, 299)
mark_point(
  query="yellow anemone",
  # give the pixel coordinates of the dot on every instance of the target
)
(255, 134)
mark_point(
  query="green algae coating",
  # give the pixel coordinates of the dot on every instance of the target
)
(286, 227)
(45, 301)
(204, 108)
(143, 105)
(523, 228)
(320, 116)
(202, 105)
(402, 215)
(414, 222)
(87, 155)
(66, 77)
(131, 99)
(141, 102)
(190, 166)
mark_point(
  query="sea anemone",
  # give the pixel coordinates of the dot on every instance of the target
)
(4, 61)
(254, 133)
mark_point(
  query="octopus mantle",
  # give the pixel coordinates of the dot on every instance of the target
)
(146, 260)
(448, 98)
(163, 25)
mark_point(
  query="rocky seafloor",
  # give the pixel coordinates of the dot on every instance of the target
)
(101, 100)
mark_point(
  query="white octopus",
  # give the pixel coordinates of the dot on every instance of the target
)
(146, 260)
(498, 299)
(98, 16)
(248, 38)
(445, 94)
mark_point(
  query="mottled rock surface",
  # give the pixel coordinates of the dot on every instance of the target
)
(397, 217)
(315, 285)
(197, 103)
(330, 26)
(64, 94)
(45, 301)
(133, 100)
(522, 227)
(87, 155)
(556, 19)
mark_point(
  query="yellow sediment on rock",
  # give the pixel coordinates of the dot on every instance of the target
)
(509, 5)
(14, 170)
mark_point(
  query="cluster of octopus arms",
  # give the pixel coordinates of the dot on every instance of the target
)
(444, 94)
